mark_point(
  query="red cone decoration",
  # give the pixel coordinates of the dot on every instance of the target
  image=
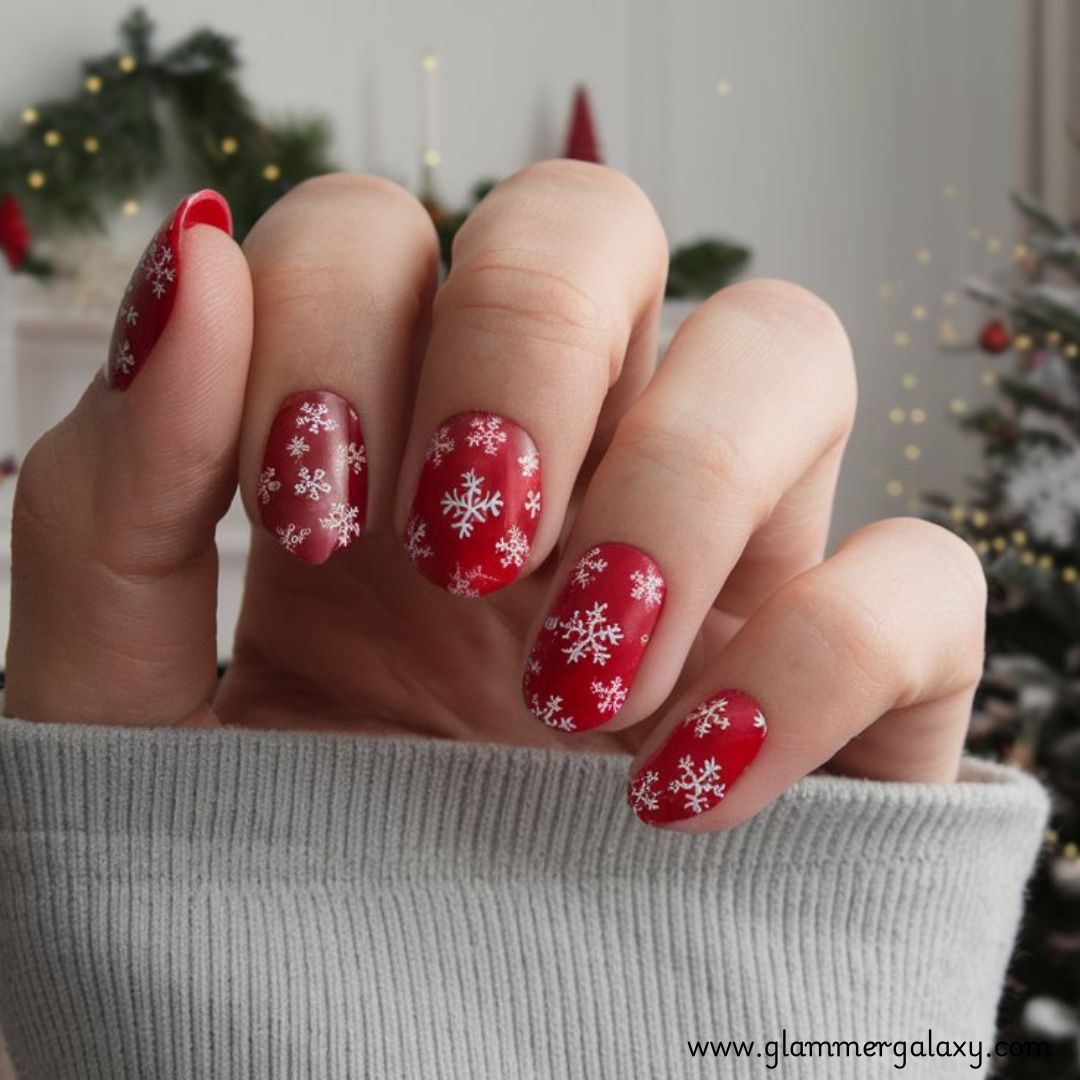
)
(994, 337)
(14, 235)
(581, 141)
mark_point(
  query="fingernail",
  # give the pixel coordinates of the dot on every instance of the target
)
(584, 659)
(151, 292)
(312, 490)
(477, 504)
(701, 759)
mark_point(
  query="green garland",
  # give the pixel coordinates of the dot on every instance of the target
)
(76, 159)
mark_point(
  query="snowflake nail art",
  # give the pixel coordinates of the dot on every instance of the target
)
(151, 292)
(477, 504)
(705, 754)
(312, 490)
(593, 639)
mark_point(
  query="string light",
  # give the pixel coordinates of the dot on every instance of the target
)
(912, 452)
(993, 243)
(723, 88)
(1027, 559)
(1046, 562)
(1053, 338)
(974, 234)
(272, 172)
(126, 64)
(901, 339)
(925, 255)
(1022, 343)
(92, 84)
(1070, 351)
(988, 378)
(998, 543)
(91, 145)
(946, 332)
(885, 290)
(30, 115)
(982, 547)
(429, 62)
(51, 138)
(36, 180)
(950, 299)
(957, 514)
(1019, 537)
(432, 158)
(130, 207)
(229, 145)
(896, 416)
(1020, 251)
(958, 406)
(979, 519)
(918, 416)
(909, 381)
(919, 313)
(894, 488)
(1070, 574)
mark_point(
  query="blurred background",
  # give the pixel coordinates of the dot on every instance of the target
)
(868, 149)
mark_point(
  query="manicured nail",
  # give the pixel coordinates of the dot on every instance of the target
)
(477, 504)
(312, 489)
(584, 659)
(702, 758)
(151, 292)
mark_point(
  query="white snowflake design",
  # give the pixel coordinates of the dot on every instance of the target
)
(532, 503)
(532, 665)
(441, 444)
(611, 696)
(125, 358)
(462, 583)
(129, 313)
(311, 484)
(590, 635)
(267, 484)
(352, 456)
(342, 520)
(158, 268)
(709, 715)
(297, 447)
(759, 720)
(648, 587)
(315, 416)
(643, 793)
(513, 546)
(415, 534)
(701, 785)
(550, 712)
(469, 506)
(529, 462)
(291, 538)
(588, 568)
(1044, 487)
(487, 431)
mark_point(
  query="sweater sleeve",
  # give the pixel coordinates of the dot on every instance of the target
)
(220, 904)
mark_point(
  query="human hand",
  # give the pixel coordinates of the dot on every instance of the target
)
(663, 547)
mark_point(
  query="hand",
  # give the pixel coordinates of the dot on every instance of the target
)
(654, 527)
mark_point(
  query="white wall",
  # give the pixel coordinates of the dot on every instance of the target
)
(845, 120)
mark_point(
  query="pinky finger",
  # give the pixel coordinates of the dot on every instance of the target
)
(866, 664)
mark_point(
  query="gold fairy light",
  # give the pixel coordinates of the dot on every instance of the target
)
(1027, 558)
(229, 145)
(1022, 343)
(901, 339)
(999, 543)
(947, 332)
(723, 88)
(52, 139)
(130, 207)
(919, 313)
(896, 416)
(982, 547)
(1046, 562)
(271, 172)
(912, 452)
(925, 256)
(993, 243)
(917, 416)
(950, 299)
(30, 115)
(974, 234)
(91, 144)
(957, 406)
(36, 180)
(979, 519)
(885, 290)
(1019, 537)
(957, 514)
(909, 381)
(1021, 251)
(1070, 351)
(988, 378)
(1070, 574)
(126, 64)
(894, 489)
(1053, 338)
(92, 84)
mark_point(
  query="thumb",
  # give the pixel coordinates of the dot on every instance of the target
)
(114, 569)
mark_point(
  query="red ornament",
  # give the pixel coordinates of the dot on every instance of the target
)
(994, 337)
(14, 235)
(581, 141)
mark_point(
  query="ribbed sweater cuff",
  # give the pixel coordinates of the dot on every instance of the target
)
(224, 903)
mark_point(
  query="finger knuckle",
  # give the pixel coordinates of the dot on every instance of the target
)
(515, 295)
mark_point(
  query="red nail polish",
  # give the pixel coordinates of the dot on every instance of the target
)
(151, 292)
(702, 758)
(477, 504)
(584, 659)
(312, 490)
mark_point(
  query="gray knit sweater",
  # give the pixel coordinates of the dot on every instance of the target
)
(197, 904)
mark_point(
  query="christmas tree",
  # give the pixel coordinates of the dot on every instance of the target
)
(1024, 520)
(581, 141)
